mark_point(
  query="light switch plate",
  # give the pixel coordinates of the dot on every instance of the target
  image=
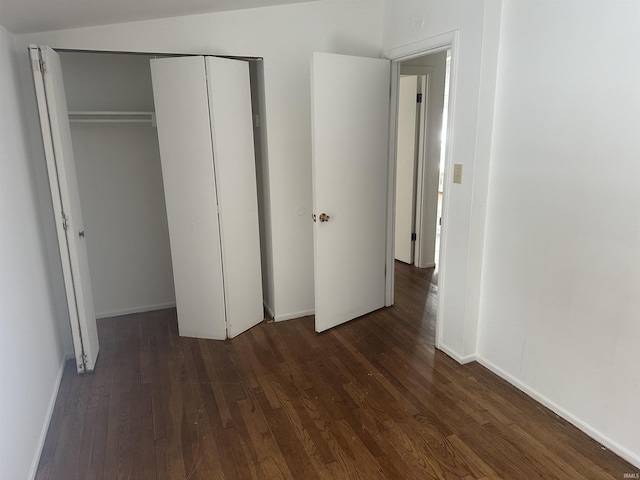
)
(457, 173)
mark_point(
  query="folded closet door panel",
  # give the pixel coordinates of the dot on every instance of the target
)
(234, 158)
(65, 196)
(186, 152)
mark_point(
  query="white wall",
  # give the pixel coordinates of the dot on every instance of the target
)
(32, 346)
(560, 304)
(122, 198)
(409, 21)
(285, 36)
(256, 71)
(102, 81)
(120, 183)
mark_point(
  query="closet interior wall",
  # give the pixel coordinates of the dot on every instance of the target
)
(120, 181)
(256, 72)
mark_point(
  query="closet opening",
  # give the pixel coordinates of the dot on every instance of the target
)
(114, 137)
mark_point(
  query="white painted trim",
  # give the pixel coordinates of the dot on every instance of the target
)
(291, 316)
(426, 46)
(129, 311)
(415, 70)
(268, 309)
(425, 77)
(458, 358)
(390, 278)
(558, 410)
(448, 168)
(47, 419)
(445, 41)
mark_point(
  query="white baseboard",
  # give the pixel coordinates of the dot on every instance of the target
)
(569, 417)
(462, 360)
(428, 265)
(129, 311)
(47, 419)
(268, 309)
(291, 316)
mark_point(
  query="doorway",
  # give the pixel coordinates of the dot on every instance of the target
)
(441, 43)
(103, 113)
(117, 159)
(420, 153)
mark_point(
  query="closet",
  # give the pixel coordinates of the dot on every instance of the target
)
(117, 161)
(154, 190)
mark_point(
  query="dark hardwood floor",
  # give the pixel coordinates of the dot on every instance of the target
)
(371, 399)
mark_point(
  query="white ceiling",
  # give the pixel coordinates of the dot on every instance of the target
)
(25, 16)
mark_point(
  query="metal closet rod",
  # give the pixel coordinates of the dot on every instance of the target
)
(104, 116)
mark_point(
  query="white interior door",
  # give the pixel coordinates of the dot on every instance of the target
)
(234, 158)
(186, 152)
(406, 169)
(350, 102)
(54, 121)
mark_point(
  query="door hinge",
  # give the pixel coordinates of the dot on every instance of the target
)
(82, 363)
(65, 222)
(43, 67)
(414, 237)
(419, 98)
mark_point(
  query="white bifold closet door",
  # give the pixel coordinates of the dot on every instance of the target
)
(205, 133)
(65, 197)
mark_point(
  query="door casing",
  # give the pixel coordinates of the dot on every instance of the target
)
(443, 42)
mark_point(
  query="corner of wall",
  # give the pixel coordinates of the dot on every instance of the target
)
(47, 419)
(29, 300)
(561, 412)
(461, 359)
(482, 163)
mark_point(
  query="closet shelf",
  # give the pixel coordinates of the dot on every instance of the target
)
(95, 116)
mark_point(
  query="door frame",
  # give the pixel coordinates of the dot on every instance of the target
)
(260, 120)
(439, 43)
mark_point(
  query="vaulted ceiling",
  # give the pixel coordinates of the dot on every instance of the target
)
(24, 16)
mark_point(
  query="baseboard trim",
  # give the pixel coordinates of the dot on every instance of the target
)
(47, 421)
(428, 265)
(558, 410)
(129, 311)
(268, 309)
(291, 316)
(462, 360)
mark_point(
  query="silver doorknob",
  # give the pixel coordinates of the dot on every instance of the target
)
(323, 217)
